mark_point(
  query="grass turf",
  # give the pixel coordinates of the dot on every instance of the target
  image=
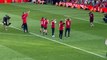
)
(16, 45)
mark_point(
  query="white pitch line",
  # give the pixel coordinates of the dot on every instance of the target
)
(64, 44)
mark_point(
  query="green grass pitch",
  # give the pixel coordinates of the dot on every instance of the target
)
(85, 43)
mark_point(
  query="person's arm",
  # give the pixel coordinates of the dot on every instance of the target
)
(55, 20)
(65, 21)
(47, 21)
(28, 12)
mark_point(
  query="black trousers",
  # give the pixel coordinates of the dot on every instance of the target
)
(105, 20)
(60, 34)
(53, 30)
(67, 30)
(25, 27)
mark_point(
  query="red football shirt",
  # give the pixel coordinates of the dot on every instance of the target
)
(52, 24)
(61, 26)
(68, 23)
(24, 17)
(42, 22)
(45, 23)
(91, 16)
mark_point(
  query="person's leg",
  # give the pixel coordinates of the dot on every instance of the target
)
(26, 28)
(41, 29)
(91, 24)
(6, 25)
(61, 34)
(68, 32)
(104, 19)
(46, 32)
(65, 31)
(53, 30)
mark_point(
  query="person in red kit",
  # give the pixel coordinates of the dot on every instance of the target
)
(91, 15)
(53, 27)
(45, 26)
(68, 26)
(42, 24)
(24, 20)
(61, 28)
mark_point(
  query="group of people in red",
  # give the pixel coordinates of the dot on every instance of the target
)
(44, 24)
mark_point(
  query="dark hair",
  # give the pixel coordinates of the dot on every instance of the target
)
(90, 12)
(61, 21)
(42, 17)
(68, 19)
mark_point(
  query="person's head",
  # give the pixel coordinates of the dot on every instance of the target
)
(68, 19)
(61, 21)
(45, 18)
(42, 17)
(90, 12)
(24, 12)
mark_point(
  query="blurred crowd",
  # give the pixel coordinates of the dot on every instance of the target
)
(99, 3)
